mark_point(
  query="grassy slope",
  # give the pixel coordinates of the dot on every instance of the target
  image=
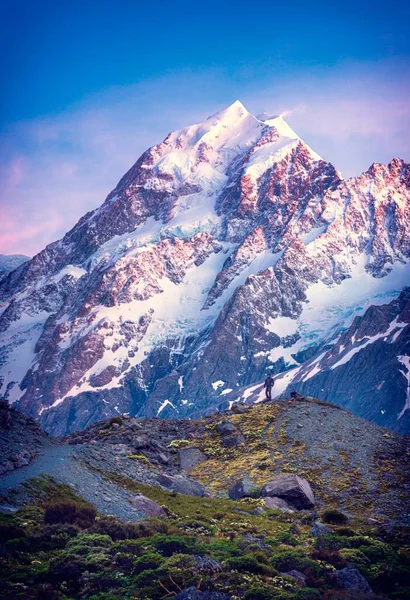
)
(109, 560)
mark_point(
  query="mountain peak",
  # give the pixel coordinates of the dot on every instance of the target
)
(231, 113)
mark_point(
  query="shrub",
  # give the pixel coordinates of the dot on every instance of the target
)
(287, 560)
(345, 531)
(149, 561)
(331, 557)
(308, 594)
(354, 556)
(331, 542)
(117, 530)
(128, 546)
(259, 592)
(221, 548)
(85, 541)
(82, 515)
(9, 531)
(334, 517)
(51, 537)
(146, 578)
(262, 591)
(249, 563)
(171, 544)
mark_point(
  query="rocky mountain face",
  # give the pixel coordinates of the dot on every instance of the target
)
(353, 368)
(228, 249)
(9, 262)
(21, 439)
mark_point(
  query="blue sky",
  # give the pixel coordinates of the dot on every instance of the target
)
(87, 86)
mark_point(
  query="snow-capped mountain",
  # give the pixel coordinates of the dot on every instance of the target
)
(9, 262)
(228, 249)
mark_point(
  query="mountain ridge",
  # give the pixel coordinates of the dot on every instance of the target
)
(199, 268)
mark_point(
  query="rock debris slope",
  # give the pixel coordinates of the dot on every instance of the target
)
(228, 249)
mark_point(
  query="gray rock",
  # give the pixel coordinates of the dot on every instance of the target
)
(278, 504)
(189, 457)
(252, 540)
(225, 428)
(22, 459)
(297, 576)
(231, 441)
(206, 565)
(140, 441)
(193, 594)
(350, 578)
(239, 408)
(291, 488)
(182, 485)
(161, 457)
(243, 489)
(319, 529)
(148, 507)
(259, 511)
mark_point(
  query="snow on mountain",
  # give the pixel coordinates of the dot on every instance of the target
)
(9, 262)
(359, 368)
(228, 249)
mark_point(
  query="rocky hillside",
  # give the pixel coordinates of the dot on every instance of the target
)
(354, 368)
(298, 500)
(21, 439)
(228, 249)
(10, 262)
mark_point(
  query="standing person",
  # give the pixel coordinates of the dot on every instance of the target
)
(268, 386)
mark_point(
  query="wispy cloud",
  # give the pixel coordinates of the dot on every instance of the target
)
(57, 168)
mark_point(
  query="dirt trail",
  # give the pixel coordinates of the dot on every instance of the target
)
(66, 465)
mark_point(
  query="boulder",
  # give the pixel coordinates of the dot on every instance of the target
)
(278, 504)
(291, 488)
(297, 576)
(350, 578)
(225, 428)
(189, 457)
(231, 441)
(243, 489)
(161, 457)
(193, 594)
(148, 507)
(22, 459)
(140, 441)
(240, 409)
(182, 485)
(320, 529)
(206, 565)
(259, 511)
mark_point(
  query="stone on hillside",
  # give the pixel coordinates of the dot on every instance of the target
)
(350, 578)
(193, 594)
(243, 489)
(206, 565)
(278, 504)
(225, 428)
(148, 507)
(161, 457)
(259, 511)
(291, 488)
(319, 529)
(181, 485)
(297, 576)
(190, 457)
(140, 441)
(231, 441)
(240, 409)
(22, 459)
